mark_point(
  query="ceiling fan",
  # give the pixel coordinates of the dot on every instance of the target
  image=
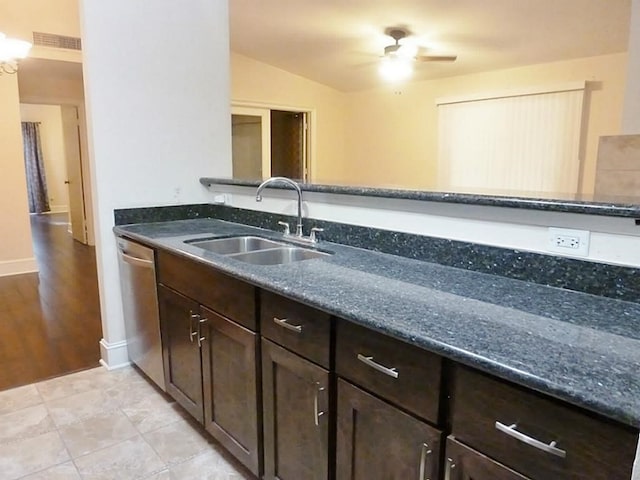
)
(407, 52)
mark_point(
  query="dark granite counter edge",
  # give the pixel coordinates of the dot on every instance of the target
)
(622, 208)
(449, 351)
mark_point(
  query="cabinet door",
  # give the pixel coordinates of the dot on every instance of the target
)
(230, 388)
(296, 418)
(378, 441)
(179, 317)
(464, 463)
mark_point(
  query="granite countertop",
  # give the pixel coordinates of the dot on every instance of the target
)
(580, 348)
(609, 205)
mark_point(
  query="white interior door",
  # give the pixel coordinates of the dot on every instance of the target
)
(251, 142)
(71, 133)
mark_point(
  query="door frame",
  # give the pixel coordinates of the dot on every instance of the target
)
(265, 130)
(84, 155)
(310, 137)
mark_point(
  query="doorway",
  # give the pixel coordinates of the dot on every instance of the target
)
(270, 142)
(61, 300)
(60, 145)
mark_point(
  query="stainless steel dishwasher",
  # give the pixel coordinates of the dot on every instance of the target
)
(140, 306)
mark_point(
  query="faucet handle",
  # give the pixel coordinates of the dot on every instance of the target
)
(286, 227)
(315, 230)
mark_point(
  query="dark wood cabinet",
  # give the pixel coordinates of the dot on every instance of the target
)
(301, 329)
(228, 296)
(181, 351)
(296, 416)
(536, 435)
(210, 352)
(230, 386)
(275, 404)
(464, 463)
(376, 440)
(403, 374)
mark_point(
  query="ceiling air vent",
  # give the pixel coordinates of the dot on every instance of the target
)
(56, 41)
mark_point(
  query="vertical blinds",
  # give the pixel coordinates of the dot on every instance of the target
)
(526, 142)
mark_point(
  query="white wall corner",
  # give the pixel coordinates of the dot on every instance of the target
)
(636, 465)
(114, 355)
(18, 267)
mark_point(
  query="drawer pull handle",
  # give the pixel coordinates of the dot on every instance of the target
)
(545, 447)
(392, 372)
(426, 451)
(201, 337)
(284, 322)
(316, 407)
(450, 465)
(192, 332)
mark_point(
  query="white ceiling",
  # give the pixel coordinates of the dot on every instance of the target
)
(338, 42)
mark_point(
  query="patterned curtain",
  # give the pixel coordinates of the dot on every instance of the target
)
(34, 167)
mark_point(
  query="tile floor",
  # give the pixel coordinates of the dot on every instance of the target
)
(102, 425)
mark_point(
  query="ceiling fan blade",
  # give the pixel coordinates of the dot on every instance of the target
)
(436, 58)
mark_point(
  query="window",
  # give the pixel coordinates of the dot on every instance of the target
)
(527, 141)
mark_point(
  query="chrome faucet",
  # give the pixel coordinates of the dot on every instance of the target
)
(295, 186)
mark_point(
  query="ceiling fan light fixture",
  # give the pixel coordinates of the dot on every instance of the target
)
(395, 68)
(407, 51)
(11, 52)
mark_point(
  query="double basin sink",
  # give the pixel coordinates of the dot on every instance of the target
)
(257, 250)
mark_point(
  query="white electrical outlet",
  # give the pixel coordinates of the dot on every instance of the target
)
(569, 242)
(222, 199)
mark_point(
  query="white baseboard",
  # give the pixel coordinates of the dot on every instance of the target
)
(18, 266)
(58, 209)
(114, 355)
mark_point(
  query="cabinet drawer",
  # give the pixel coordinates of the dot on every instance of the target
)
(517, 427)
(462, 462)
(303, 330)
(230, 297)
(401, 373)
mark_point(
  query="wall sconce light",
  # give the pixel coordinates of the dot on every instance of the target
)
(11, 52)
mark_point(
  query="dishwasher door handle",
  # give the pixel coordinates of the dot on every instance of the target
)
(138, 262)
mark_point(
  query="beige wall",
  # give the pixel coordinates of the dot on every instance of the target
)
(22, 17)
(261, 84)
(392, 138)
(16, 252)
(45, 81)
(53, 151)
(631, 111)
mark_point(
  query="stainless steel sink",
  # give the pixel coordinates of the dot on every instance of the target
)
(278, 256)
(229, 246)
(256, 250)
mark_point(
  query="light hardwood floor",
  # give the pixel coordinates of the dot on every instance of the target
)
(50, 321)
